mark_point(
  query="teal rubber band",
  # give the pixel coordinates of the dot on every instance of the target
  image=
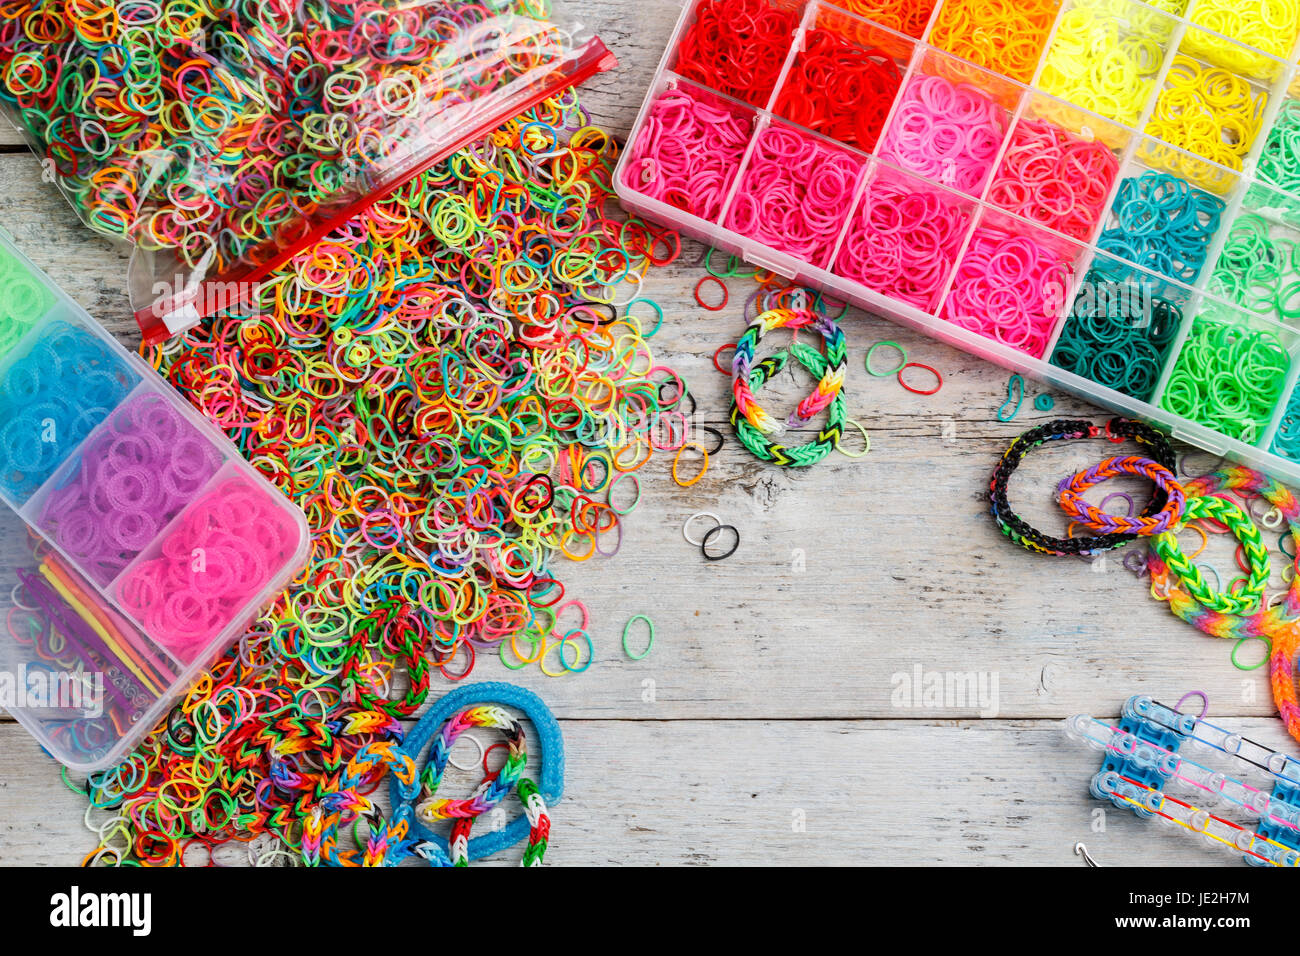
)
(1044, 402)
(591, 651)
(627, 313)
(1016, 391)
(893, 371)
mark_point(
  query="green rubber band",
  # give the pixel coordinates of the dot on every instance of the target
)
(1268, 645)
(893, 371)
(627, 314)
(501, 653)
(839, 445)
(628, 626)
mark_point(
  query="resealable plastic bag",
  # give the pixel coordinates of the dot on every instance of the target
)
(221, 137)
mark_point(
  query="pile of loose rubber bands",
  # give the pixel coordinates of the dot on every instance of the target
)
(456, 387)
(216, 128)
(1222, 502)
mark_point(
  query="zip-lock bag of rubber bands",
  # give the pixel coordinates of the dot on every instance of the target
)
(136, 545)
(220, 137)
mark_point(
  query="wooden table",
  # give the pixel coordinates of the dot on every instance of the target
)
(767, 725)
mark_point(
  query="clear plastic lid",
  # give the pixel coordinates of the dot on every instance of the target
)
(135, 544)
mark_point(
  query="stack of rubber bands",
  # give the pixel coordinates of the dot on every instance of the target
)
(1228, 377)
(61, 386)
(1004, 37)
(1279, 164)
(1222, 502)
(839, 89)
(1010, 288)
(458, 388)
(689, 151)
(904, 239)
(132, 477)
(1162, 223)
(1209, 112)
(1269, 26)
(1105, 57)
(737, 47)
(23, 302)
(1118, 333)
(947, 131)
(1259, 268)
(795, 194)
(906, 16)
(1055, 178)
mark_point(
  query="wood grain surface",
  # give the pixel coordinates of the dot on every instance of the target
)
(773, 689)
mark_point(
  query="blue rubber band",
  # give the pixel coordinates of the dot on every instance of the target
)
(550, 742)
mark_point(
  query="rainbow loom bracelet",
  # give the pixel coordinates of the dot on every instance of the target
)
(1116, 430)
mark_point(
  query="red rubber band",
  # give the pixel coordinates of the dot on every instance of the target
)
(726, 295)
(486, 771)
(720, 350)
(916, 391)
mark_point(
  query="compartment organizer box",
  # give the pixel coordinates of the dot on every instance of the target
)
(136, 545)
(1147, 245)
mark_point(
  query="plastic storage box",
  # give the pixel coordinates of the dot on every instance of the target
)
(137, 544)
(1217, 313)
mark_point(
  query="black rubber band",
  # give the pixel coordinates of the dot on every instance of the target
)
(721, 440)
(704, 542)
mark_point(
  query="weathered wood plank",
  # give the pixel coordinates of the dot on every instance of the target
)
(734, 792)
(848, 574)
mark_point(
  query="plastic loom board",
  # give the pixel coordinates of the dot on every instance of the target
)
(1135, 151)
(79, 670)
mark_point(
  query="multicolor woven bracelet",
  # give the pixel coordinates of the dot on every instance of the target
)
(534, 823)
(753, 425)
(1282, 677)
(488, 795)
(1170, 516)
(1117, 429)
(389, 840)
(1265, 622)
(1227, 513)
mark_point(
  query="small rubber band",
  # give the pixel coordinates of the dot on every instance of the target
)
(704, 544)
(893, 371)
(917, 391)
(628, 626)
(726, 294)
(865, 437)
(1205, 702)
(1268, 650)
(678, 458)
(717, 354)
(686, 528)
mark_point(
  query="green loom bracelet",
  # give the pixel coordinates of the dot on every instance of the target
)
(1227, 513)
